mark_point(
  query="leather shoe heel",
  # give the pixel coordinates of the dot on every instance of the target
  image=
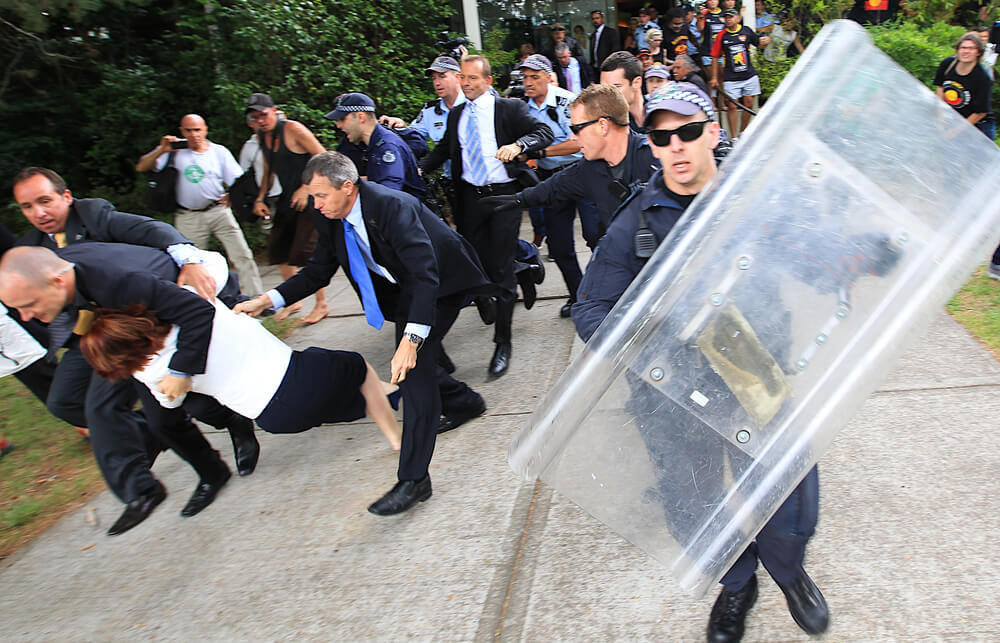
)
(138, 510)
(487, 308)
(501, 360)
(245, 444)
(402, 496)
(567, 309)
(456, 419)
(205, 493)
(806, 604)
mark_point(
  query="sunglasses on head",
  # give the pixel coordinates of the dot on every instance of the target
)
(687, 133)
(577, 128)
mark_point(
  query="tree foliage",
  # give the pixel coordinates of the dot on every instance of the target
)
(88, 86)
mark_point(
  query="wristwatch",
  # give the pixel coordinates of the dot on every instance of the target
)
(414, 339)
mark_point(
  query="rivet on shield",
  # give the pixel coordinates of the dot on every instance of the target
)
(903, 238)
(842, 311)
(821, 339)
(742, 436)
(802, 364)
(716, 299)
(743, 262)
(656, 374)
(815, 169)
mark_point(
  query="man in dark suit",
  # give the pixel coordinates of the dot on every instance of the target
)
(409, 267)
(603, 42)
(483, 142)
(123, 447)
(82, 277)
(572, 73)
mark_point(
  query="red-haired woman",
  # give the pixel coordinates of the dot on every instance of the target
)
(248, 369)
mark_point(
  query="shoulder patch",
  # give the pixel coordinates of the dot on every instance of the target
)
(389, 157)
(431, 103)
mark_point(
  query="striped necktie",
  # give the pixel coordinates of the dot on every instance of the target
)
(474, 148)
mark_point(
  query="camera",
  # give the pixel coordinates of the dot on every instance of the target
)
(179, 144)
(451, 47)
(515, 89)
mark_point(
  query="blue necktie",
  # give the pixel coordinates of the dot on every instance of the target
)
(363, 279)
(474, 149)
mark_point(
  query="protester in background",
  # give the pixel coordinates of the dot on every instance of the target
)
(251, 156)
(989, 59)
(962, 83)
(783, 37)
(656, 51)
(288, 146)
(732, 70)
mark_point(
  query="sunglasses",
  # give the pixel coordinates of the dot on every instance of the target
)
(687, 133)
(579, 127)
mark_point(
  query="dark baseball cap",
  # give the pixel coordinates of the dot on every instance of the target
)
(644, 52)
(259, 102)
(558, 27)
(443, 64)
(536, 61)
(348, 103)
(730, 12)
(644, 11)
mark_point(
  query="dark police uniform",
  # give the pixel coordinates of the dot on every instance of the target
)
(781, 543)
(386, 160)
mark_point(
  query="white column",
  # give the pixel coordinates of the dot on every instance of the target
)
(470, 11)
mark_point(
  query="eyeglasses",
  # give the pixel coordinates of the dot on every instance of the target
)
(687, 133)
(579, 127)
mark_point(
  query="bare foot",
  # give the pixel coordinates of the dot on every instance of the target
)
(288, 311)
(318, 314)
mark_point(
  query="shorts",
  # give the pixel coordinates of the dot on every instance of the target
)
(740, 88)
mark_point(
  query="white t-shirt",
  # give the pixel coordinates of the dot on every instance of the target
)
(203, 175)
(250, 155)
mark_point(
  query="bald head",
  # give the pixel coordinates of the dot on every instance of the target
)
(195, 130)
(36, 282)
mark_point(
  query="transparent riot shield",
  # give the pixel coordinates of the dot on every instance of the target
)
(857, 203)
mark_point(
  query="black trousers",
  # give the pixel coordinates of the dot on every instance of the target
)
(427, 390)
(37, 377)
(126, 442)
(494, 236)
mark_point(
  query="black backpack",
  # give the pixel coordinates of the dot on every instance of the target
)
(161, 194)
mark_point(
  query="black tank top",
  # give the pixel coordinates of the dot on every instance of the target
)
(286, 165)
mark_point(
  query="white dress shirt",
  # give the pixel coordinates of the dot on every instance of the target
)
(485, 111)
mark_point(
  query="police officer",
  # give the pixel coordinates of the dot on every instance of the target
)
(615, 158)
(550, 105)
(387, 158)
(433, 117)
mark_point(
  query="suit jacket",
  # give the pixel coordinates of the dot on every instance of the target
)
(428, 259)
(512, 123)
(585, 74)
(610, 42)
(97, 220)
(116, 275)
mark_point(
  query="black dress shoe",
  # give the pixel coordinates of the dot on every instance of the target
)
(726, 624)
(445, 362)
(455, 420)
(537, 272)
(205, 493)
(500, 360)
(529, 293)
(567, 309)
(806, 604)
(245, 444)
(487, 307)
(138, 510)
(402, 496)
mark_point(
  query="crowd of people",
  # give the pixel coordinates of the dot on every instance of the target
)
(622, 129)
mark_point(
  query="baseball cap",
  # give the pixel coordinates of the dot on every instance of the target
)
(444, 63)
(644, 11)
(536, 61)
(682, 98)
(730, 12)
(658, 70)
(348, 103)
(558, 27)
(259, 102)
(644, 52)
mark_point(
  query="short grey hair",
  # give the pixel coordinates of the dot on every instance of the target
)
(333, 166)
(562, 48)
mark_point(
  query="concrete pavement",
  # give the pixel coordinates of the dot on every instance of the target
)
(904, 549)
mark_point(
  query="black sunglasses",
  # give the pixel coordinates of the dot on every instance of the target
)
(687, 133)
(577, 128)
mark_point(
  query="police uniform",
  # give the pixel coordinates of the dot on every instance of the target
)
(557, 216)
(391, 163)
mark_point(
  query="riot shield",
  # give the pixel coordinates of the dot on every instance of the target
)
(856, 204)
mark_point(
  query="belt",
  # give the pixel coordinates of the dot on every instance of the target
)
(213, 204)
(486, 190)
